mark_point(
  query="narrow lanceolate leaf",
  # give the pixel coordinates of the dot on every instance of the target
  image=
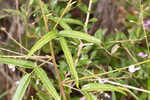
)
(90, 96)
(17, 62)
(12, 11)
(101, 87)
(46, 82)
(45, 39)
(23, 84)
(72, 21)
(67, 20)
(79, 35)
(62, 23)
(68, 57)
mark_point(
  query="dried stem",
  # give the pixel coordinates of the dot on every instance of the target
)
(53, 56)
(87, 16)
(18, 24)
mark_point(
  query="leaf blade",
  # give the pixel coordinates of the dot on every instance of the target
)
(23, 84)
(46, 82)
(101, 87)
(18, 62)
(45, 39)
(69, 59)
(79, 35)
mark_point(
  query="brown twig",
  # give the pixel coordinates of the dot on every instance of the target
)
(52, 53)
(87, 16)
(81, 45)
(18, 24)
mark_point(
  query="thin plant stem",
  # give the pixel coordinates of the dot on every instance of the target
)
(52, 53)
(87, 16)
(78, 53)
(18, 24)
(145, 34)
(109, 72)
(130, 54)
(63, 13)
(32, 57)
(127, 86)
(3, 29)
(10, 51)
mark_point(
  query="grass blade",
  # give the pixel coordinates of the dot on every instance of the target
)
(101, 87)
(46, 82)
(69, 59)
(23, 84)
(18, 62)
(79, 35)
(45, 39)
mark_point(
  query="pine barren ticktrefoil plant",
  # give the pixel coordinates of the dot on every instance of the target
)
(59, 58)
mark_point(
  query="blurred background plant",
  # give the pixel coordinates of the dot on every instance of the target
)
(74, 49)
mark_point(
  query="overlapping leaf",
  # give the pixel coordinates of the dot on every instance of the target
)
(79, 35)
(18, 62)
(23, 84)
(46, 82)
(45, 39)
(68, 57)
(101, 87)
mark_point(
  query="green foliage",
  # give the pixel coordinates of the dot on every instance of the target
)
(18, 62)
(47, 83)
(69, 59)
(43, 96)
(101, 87)
(23, 84)
(82, 58)
(79, 35)
(45, 39)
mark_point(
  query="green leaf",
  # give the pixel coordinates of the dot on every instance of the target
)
(114, 49)
(101, 87)
(113, 96)
(46, 82)
(131, 17)
(72, 21)
(79, 35)
(23, 84)
(83, 7)
(43, 96)
(90, 96)
(69, 59)
(127, 90)
(64, 25)
(53, 3)
(40, 43)
(3, 16)
(18, 62)
(3, 94)
(66, 20)
(13, 11)
(93, 20)
(99, 34)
